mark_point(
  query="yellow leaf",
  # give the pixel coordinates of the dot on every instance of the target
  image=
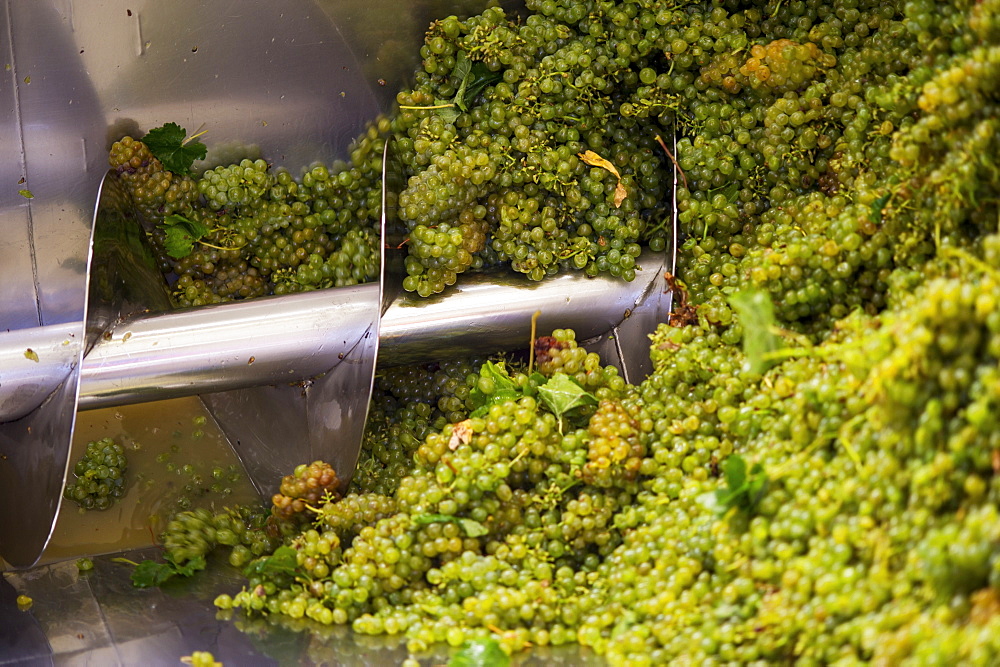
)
(595, 160)
(620, 194)
(26, 194)
(31, 354)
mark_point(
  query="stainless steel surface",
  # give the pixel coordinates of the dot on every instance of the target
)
(98, 618)
(487, 313)
(223, 347)
(35, 362)
(80, 73)
(34, 453)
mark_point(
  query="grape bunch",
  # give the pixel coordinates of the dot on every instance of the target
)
(251, 230)
(307, 486)
(99, 476)
(236, 185)
(190, 534)
(156, 191)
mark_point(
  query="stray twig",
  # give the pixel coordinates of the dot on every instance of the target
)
(670, 155)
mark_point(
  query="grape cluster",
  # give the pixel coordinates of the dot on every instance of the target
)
(236, 185)
(509, 164)
(99, 476)
(307, 486)
(267, 232)
(155, 191)
(193, 533)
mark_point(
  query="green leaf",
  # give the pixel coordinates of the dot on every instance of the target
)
(284, 560)
(473, 528)
(502, 387)
(181, 235)
(876, 212)
(26, 194)
(561, 393)
(424, 519)
(168, 145)
(480, 76)
(480, 653)
(757, 485)
(461, 72)
(743, 489)
(756, 313)
(189, 567)
(149, 573)
(472, 78)
(196, 228)
(735, 470)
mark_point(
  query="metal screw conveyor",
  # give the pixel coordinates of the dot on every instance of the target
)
(84, 318)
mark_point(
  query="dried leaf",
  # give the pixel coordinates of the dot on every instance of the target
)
(620, 194)
(595, 160)
(461, 434)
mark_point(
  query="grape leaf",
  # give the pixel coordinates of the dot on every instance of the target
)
(461, 72)
(189, 567)
(504, 389)
(561, 393)
(735, 470)
(480, 76)
(284, 560)
(473, 528)
(447, 111)
(461, 434)
(744, 488)
(480, 653)
(181, 235)
(170, 146)
(473, 77)
(756, 313)
(150, 573)
(875, 215)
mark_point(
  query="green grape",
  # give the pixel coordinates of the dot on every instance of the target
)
(99, 476)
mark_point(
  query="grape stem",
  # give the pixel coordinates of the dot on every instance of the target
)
(531, 353)
(199, 132)
(670, 155)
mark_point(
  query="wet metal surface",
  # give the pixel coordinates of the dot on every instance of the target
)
(98, 618)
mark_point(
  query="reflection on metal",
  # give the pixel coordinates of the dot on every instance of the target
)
(99, 618)
(284, 339)
(77, 75)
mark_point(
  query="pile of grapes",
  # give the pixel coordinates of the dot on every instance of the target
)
(811, 474)
(240, 231)
(99, 476)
